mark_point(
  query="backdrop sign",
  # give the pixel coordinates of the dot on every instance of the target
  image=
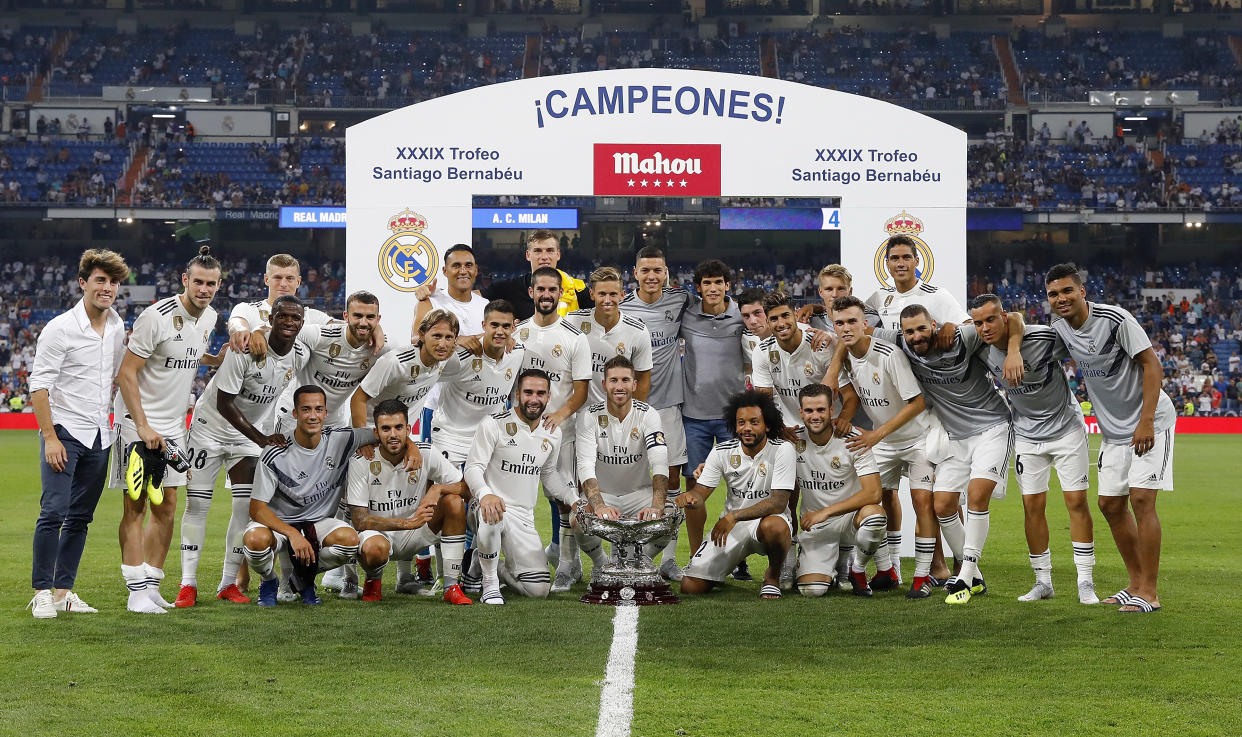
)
(411, 173)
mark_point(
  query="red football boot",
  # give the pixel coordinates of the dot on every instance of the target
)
(186, 597)
(232, 593)
(454, 595)
(372, 590)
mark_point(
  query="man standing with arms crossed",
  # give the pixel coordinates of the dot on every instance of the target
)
(1049, 432)
(1137, 420)
(661, 310)
(168, 341)
(76, 359)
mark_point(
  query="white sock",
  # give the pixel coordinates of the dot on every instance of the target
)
(592, 546)
(867, 539)
(1084, 561)
(670, 549)
(924, 551)
(405, 570)
(894, 547)
(452, 550)
(376, 573)
(136, 581)
(954, 534)
(1041, 563)
(239, 518)
(976, 535)
(489, 563)
(262, 562)
(843, 560)
(881, 555)
(193, 533)
(154, 576)
(568, 557)
(337, 556)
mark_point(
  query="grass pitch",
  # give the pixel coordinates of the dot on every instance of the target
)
(726, 664)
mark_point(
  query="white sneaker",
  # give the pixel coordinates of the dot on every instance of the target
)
(42, 606)
(1086, 593)
(285, 594)
(334, 580)
(73, 603)
(670, 571)
(1039, 591)
(140, 603)
(349, 585)
(787, 574)
(562, 582)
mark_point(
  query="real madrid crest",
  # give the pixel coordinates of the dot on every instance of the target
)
(659, 438)
(735, 460)
(178, 323)
(668, 315)
(376, 468)
(763, 469)
(334, 350)
(364, 365)
(808, 370)
(875, 378)
(261, 362)
(836, 462)
(556, 351)
(905, 224)
(508, 374)
(407, 259)
(1091, 346)
(289, 375)
(511, 428)
(476, 365)
(620, 349)
(545, 445)
(634, 434)
(412, 477)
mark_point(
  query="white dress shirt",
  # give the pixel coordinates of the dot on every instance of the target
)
(77, 368)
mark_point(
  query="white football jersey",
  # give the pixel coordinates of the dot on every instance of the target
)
(629, 338)
(469, 320)
(256, 383)
(401, 374)
(509, 459)
(388, 490)
(830, 473)
(472, 388)
(942, 306)
(884, 383)
(750, 479)
(561, 350)
(750, 342)
(333, 365)
(259, 314)
(172, 342)
(785, 373)
(622, 455)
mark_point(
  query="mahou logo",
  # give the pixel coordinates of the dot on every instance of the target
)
(654, 170)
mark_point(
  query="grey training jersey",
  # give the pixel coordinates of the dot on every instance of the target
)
(663, 320)
(1043, 407)
(304, 485)
(955, 382)
(1104, 349)
(713, 370)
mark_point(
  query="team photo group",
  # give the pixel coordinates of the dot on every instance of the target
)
(345, 447)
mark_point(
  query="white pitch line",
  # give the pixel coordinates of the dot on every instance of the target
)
(616, 699)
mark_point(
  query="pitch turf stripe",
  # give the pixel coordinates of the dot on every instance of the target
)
(616, 699)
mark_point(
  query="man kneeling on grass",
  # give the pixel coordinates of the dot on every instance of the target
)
(400, 512)
(759, 471)
(296, 491)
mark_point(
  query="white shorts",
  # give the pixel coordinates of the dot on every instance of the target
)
(1121, 470)
(452, 447)
(404, 544)
(126, 434)
(910, 461)
(519, 541)
(819, 547)
(1033, 463)
(712, 562)
(984, 455)
(209, 457)
(629, 505)
(323, 528)
(564, 476)
(674, 435)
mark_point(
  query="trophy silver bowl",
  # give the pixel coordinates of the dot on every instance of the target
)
(629, 577)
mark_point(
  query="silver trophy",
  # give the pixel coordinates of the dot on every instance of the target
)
(629, 576)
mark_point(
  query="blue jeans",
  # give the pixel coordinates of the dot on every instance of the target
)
(66, 508)
(701, 435)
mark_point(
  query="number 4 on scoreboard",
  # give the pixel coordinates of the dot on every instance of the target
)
(832, 219)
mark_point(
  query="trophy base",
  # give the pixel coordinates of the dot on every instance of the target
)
(630, 595)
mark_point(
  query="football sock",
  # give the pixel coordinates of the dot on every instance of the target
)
(1041, 563)
(422, 563)
(377, 572)
(1084, 560)
(261, 561)
(894, 546)
(569, 548)
(670, 549)
(234, 554)
(924, 551)
(193, 533)
(452, 550)
(844, 557)
(405, 570)
(867, 538)
(592, 546)
(136, 581)
(154, 577)
(489, 563)
(976, 535)
(881, 555)
(335, 556)
(954, 534)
